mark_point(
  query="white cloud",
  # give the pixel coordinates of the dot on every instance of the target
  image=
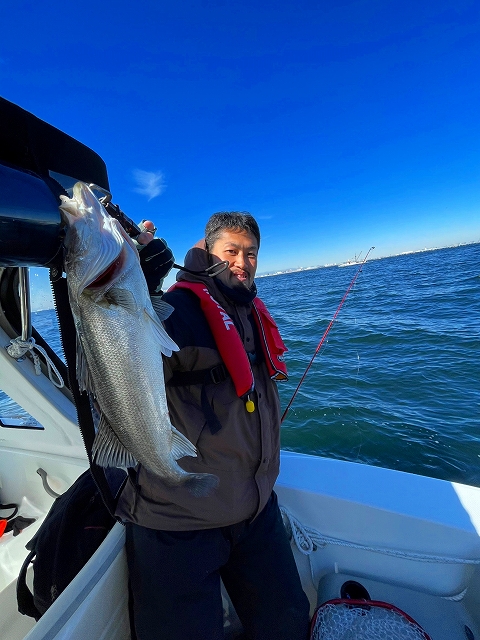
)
(150, 183)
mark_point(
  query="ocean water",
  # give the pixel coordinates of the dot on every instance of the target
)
(397, 381)
(397, 384)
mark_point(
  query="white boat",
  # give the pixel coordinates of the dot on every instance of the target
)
(352, 262)
(410, 540)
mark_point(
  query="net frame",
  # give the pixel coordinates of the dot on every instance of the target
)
(366, 605)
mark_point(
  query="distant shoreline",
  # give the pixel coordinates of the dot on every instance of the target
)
(337, 264)
(326, 266)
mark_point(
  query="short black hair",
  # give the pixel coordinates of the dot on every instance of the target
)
(230, 221)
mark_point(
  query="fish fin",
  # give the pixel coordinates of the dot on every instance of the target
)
(162, 309)
(167, 345)
(201, 485)
(107, 450)
(122, 298)
(85, 381)
(181, 445)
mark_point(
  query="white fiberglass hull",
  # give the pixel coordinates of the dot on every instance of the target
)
(372, 508)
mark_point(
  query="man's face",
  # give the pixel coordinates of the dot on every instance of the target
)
(240, 248)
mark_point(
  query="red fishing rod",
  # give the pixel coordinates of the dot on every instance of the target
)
(325, 334)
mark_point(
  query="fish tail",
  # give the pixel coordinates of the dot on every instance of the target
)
(201, 485)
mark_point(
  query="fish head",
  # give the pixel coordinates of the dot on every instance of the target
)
(98, 251)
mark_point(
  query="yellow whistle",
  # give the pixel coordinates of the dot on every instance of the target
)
(250, 406)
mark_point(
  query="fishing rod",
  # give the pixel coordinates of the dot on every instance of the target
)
(134, 230)
(325, 335)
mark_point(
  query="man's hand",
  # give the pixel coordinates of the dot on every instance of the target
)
(156, 258)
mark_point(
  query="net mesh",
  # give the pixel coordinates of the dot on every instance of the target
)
(342, 621)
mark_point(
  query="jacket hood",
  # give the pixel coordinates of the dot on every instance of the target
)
(196, 260)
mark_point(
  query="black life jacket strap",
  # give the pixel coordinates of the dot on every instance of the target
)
(215, 375)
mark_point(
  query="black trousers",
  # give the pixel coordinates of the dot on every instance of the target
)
(175, 581)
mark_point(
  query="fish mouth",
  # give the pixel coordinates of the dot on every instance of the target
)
(105, 265)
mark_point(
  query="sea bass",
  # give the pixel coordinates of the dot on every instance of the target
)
(119, 344)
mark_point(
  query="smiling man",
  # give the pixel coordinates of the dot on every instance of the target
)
(237, 246)
(221, 392)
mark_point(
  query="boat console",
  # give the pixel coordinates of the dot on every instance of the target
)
(37, 163)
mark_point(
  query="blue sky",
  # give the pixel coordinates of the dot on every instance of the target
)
(339, 125)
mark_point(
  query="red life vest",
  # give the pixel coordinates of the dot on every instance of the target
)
(229, 343)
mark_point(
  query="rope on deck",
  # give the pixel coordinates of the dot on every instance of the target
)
(308, 540)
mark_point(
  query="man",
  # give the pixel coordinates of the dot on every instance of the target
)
(222, 396)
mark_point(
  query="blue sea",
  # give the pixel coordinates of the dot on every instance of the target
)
(397, 381)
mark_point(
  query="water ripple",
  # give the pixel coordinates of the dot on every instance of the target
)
(397, 381)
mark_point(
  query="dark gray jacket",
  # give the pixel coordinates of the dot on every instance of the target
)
(243, 453)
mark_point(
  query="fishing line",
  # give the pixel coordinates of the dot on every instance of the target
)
(325, 335)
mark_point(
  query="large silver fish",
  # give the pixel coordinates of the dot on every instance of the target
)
(120, 341)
